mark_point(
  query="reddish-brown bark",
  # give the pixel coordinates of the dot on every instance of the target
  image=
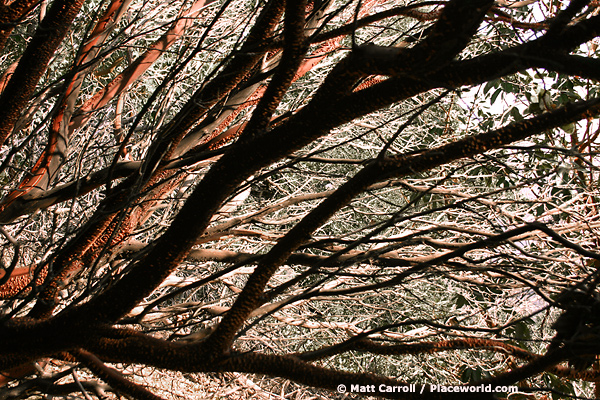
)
(86, 328)
(33, 63)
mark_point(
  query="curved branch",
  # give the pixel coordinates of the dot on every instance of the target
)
(113, 377)
(34, 62)
(189, 358)
(293, 52)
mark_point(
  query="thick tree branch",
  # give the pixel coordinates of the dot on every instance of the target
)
(34, 62)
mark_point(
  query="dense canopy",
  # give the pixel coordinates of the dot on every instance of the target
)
(338, 195)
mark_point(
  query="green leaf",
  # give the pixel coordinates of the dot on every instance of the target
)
(495, 96)
(460, 301)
